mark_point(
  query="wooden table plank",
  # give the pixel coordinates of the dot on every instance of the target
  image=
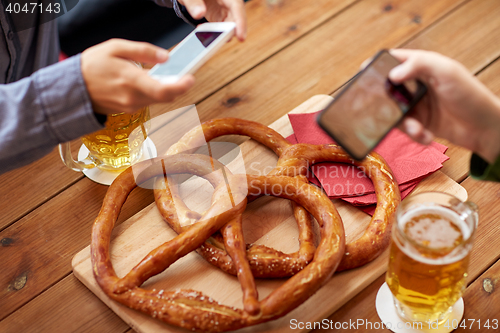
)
(362, 306)
(65, 299)
(491, 77)
(25, 189)
(42, 244)
(486, 252)
(323, 61)
(278, 86)
(475, 29)
(482, 299)
(377, 12)
(270, 29)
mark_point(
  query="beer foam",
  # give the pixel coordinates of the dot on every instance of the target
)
(435, 233)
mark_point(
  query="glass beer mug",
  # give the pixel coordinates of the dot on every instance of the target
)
(429, 257)
(114, 148)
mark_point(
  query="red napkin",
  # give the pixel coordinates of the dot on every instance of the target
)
(410, 162)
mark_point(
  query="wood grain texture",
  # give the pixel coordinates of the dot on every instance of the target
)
(482, 299)
(475, 28)
(77, 300)
(25, 189)
(147, 230)
(41, 245)
(234, 96)
(270, 29)
(470, 35)
(491, 77)
(323, 61)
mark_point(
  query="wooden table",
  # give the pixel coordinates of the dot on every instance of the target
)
(294, 50)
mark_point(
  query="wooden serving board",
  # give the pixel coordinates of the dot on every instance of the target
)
(267, 221)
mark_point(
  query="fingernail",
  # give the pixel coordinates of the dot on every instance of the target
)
(396, 73)
(198, 11)
(162, 55)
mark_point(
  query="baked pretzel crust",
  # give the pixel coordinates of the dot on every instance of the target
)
(293, 161)
(191, 309)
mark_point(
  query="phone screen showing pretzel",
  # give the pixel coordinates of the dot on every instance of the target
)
(369, 107)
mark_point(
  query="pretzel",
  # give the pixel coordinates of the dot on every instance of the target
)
(265, 262)
(191, 309)
(294, 161)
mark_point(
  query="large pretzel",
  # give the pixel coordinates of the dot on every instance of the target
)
(294, 161)
(191, 309)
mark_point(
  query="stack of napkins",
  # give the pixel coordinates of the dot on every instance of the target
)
(410, 162)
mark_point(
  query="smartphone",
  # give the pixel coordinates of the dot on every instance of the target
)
(369, 106)
(193, 51)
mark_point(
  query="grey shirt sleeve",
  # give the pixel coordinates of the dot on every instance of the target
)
(38, 112)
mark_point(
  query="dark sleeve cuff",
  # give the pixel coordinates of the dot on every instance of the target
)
(482, 170)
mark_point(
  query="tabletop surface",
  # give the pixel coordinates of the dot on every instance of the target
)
(294, 50)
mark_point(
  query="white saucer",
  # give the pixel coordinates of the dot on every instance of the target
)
(387, 313)
(107, 177)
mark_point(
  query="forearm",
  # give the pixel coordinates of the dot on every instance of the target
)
(38, 112)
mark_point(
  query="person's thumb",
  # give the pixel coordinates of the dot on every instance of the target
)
(138, 51)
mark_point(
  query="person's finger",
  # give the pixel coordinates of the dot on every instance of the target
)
(138, 51)
(153, 91)
(402, 54)
(416, 131)
(417, 64)
(238, 15)
(414, 68)
(196, 8)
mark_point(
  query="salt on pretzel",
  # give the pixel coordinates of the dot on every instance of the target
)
(191, 309)
(294, 161)
(264, 261)
(377, 235)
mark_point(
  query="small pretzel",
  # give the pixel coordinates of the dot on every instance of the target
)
(191, 309)
(294, 161)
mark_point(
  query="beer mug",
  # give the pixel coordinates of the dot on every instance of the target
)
(429, 257)
(114, 148)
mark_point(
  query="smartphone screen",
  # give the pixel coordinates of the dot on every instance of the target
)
(369, 107)
(193, 46)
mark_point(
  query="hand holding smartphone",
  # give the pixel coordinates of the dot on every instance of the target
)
(193, 51)
(369, 107)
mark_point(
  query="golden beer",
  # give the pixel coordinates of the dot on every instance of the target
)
(429, 256)
(118, 145)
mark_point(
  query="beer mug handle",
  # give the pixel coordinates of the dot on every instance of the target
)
(67, 158)
(467, 210)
